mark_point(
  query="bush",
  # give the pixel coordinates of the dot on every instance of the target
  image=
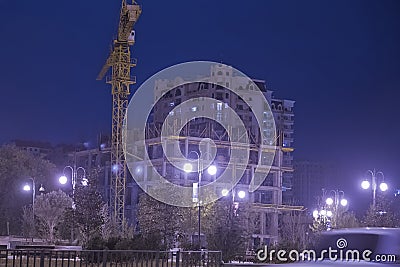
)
(96, 243)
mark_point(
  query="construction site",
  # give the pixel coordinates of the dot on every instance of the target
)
(272, 197)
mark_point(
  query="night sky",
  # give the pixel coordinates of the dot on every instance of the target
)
(339, 60)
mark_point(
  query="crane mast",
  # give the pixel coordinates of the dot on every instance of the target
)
(120, 62)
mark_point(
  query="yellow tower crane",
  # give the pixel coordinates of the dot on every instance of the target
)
(121, 63)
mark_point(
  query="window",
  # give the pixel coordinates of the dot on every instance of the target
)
(219, 96)
(227, 84)
(194, 109)
(219, 106)
(226, 95)
(227, 73)
(219, 73)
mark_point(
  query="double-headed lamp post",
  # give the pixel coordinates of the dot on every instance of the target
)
(382, 186)
(74, 175)
(241, 194)
(329, 213)
(211, 170)
(334, 203)
(27, 187)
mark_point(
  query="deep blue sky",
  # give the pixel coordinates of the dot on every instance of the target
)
(339, 60)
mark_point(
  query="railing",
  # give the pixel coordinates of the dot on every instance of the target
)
(109, 258)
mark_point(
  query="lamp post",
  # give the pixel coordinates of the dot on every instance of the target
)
(74, 175)
(330, 208)
(335, 203)
(211, 170)
(241, 194)
(28, 188)
(382, 186)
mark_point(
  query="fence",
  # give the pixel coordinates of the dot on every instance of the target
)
(109, 258)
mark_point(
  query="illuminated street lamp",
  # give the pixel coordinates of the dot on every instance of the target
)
(211, 170)
(382, 186)
(329, 201)
(241, 194)
(224, 192)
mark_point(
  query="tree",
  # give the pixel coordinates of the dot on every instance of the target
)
(381, 215)
(294, 230)
(50, 209)
(228, 227)
(159, 221)
(347, 220)
(28, 222)
(109, 228)
(16, 166)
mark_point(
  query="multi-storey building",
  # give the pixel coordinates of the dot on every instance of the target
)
(277, 124)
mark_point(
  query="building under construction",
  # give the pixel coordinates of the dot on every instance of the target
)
(273, 196)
